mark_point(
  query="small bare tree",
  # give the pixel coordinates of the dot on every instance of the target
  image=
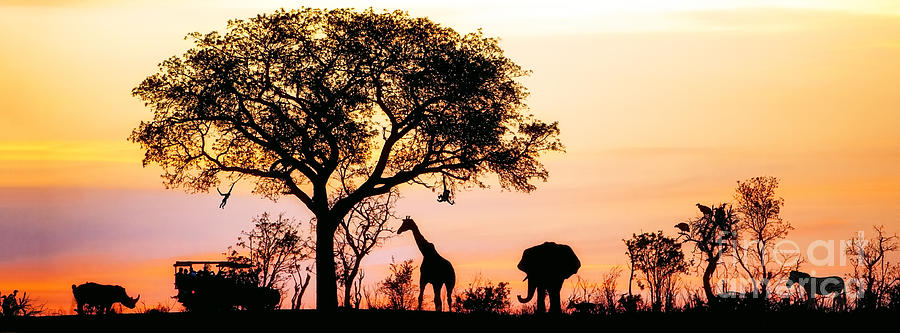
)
(358, 289)
(872, 274)
(758, 229)
(278, 250)
(300, 274)
(670, 291)
(608, 288)
(362, 230)
(371, 296)
(595, 298)
(585, 297)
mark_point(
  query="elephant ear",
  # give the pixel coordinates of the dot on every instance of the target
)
(529, 260)
(567, 260)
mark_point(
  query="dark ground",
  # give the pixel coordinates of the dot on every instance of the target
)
(408, 321)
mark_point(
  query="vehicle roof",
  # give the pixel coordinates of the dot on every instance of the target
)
(227, 264)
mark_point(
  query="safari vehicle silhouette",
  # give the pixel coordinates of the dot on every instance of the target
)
(232, 286)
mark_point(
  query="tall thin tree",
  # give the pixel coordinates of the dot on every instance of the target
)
(760, 226)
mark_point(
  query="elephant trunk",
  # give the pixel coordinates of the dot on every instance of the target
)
(531, 288)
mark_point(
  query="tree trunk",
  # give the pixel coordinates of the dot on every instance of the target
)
(299, 290)
(764, 289)
(707, 276)
(326, 281)
(630, 279)
(348, 286)
(707, 285)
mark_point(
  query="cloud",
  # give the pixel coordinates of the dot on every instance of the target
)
(43, 223)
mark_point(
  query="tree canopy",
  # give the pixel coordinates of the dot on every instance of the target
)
(333, 106)
(661, 259)
(298, 97)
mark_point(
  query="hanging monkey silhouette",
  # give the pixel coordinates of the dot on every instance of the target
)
(226, 195)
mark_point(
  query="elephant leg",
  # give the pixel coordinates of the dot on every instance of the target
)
(554, 299)
(437, 297)
(421, 293)
(540, 300)
(554, 289)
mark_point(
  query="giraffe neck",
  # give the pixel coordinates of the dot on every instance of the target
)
(421, 242)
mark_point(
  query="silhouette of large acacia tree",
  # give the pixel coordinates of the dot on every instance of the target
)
(334, 106)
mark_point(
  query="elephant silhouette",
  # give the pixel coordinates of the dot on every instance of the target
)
(546, 267)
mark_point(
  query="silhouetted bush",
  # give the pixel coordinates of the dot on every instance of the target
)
(873, 276)
(484, 299)
(398, 287)
(158, 308)
(631, 303)
(746, 301)
(893, 296)
(695, 301)
(586, 298)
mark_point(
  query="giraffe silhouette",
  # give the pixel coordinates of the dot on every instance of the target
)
(434, 270)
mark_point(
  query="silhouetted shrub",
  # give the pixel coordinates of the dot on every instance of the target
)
(893, 296)
(695, 301)
(484, 299)
(398, 286)
(586, 298)
(746, 301)
(873, 276)
(631, 303)
(158, 308)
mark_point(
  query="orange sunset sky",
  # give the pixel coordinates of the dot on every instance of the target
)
(662, 104)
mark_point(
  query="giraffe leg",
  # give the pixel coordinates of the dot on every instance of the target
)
(449, 298)
(437, 297)
(421, 293)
